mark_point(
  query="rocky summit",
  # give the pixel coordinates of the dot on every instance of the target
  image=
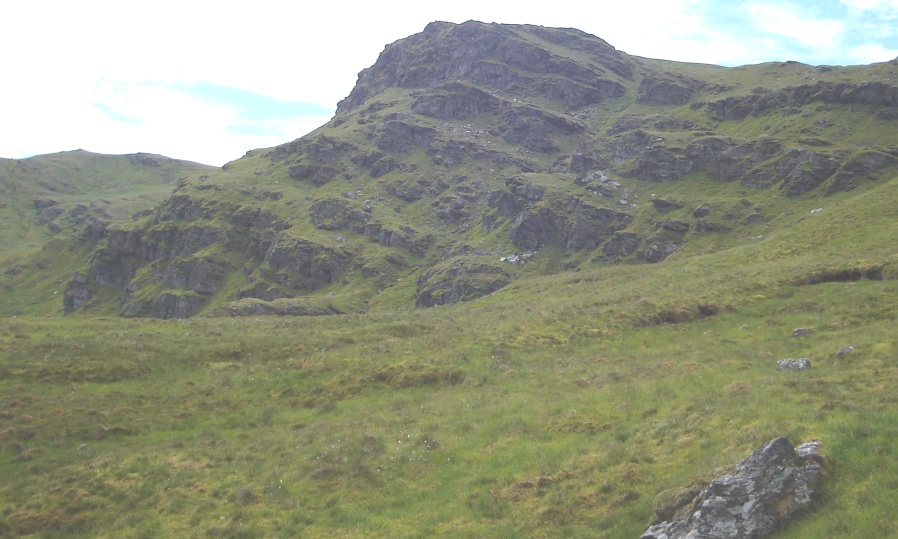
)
(468, 145)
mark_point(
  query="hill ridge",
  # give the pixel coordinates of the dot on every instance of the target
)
(470, 145)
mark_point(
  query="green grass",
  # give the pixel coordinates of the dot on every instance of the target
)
(558, 406)
(507, 417)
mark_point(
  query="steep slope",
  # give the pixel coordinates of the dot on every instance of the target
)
(55, 208)
(471, 155)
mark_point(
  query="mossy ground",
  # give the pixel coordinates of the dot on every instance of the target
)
(556, 407)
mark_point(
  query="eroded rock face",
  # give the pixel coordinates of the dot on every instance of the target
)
(622, 244)
(169, 305)
(494, 56)
(424, 142)
(758, 103)
(336, 214)
(592, 226)
(536, 129)
(458, 280)
(663, 91)
(764, 492)
(313, 265)
(455, 101)
(400, 137)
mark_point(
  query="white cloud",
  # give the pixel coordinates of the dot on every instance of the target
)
(793, 23)
(154, 115)
(110, 76)
(869, 53)
(874, 5)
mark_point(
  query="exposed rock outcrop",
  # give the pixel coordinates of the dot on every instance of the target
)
(336, 214)
(592, 226)
(169, 305)
(495, 56)
(536, 129)
(455, 101)
(278, 307)
(790, 364)
(763, 101)
(760, 164)
(459, 279)
(663, 91)
(763, 493)
(399, 137)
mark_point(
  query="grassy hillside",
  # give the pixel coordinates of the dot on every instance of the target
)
(55, 208)
(46, 195)
(558, 406)
(671, 223)
(466, 144)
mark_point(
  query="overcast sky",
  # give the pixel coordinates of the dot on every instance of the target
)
(207, 81)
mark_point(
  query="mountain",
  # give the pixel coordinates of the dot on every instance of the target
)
(639, 252)
(473, 155)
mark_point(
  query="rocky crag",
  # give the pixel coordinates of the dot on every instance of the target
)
(467, 145)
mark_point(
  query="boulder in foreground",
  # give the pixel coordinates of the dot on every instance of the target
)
(764, 492)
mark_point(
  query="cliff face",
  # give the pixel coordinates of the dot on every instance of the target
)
(471, 154)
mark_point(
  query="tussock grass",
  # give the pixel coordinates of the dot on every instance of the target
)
(505, 417)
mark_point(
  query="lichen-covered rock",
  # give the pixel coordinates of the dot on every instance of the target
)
(455, 101)
(77, 293)
(582, 160)
(763, 493)
(199, 274)
(317, 174)
(790, 364)
(304, 263)
(622, 244)
(657, 252)
(321, 148)
(336, 214)
(167, 305)
(457, 280)
(176, 305)
(862, 166)
(277, 307)
(535, 229)
(515, 197)
(660, 165)
(663, 91)
(592, 226)
(536, 129)
(765, 101)
(400, 137)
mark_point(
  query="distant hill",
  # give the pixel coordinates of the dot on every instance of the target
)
(65, 192)
(473, 155)
(55, 208)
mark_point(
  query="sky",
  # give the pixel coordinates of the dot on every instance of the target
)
(207, 81)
